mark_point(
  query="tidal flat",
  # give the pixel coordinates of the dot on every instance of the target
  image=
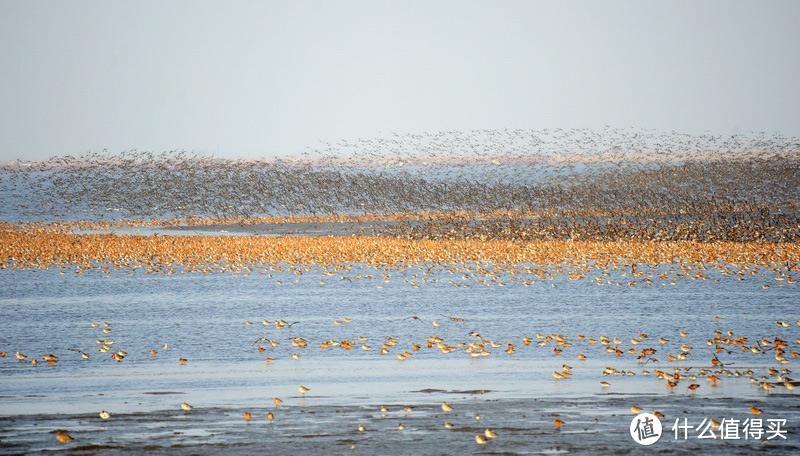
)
(236, 362)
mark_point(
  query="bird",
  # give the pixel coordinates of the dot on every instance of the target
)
(63, 437)
(50, 358)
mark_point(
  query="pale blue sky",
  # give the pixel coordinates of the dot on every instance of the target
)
(263, 78)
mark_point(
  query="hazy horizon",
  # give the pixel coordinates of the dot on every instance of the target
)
(265, 79)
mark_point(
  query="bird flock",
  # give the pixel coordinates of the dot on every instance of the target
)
(512, 184)
(483, 208)
(480, 203)
(669, 359)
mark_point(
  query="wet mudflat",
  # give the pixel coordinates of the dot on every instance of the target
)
(215, 323)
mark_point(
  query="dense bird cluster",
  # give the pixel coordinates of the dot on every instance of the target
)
(497, 184)
(459, 263)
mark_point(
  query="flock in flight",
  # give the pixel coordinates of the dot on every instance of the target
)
(497, 184)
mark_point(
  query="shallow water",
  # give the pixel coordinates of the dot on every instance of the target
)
(255, 229)
(202, 318)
